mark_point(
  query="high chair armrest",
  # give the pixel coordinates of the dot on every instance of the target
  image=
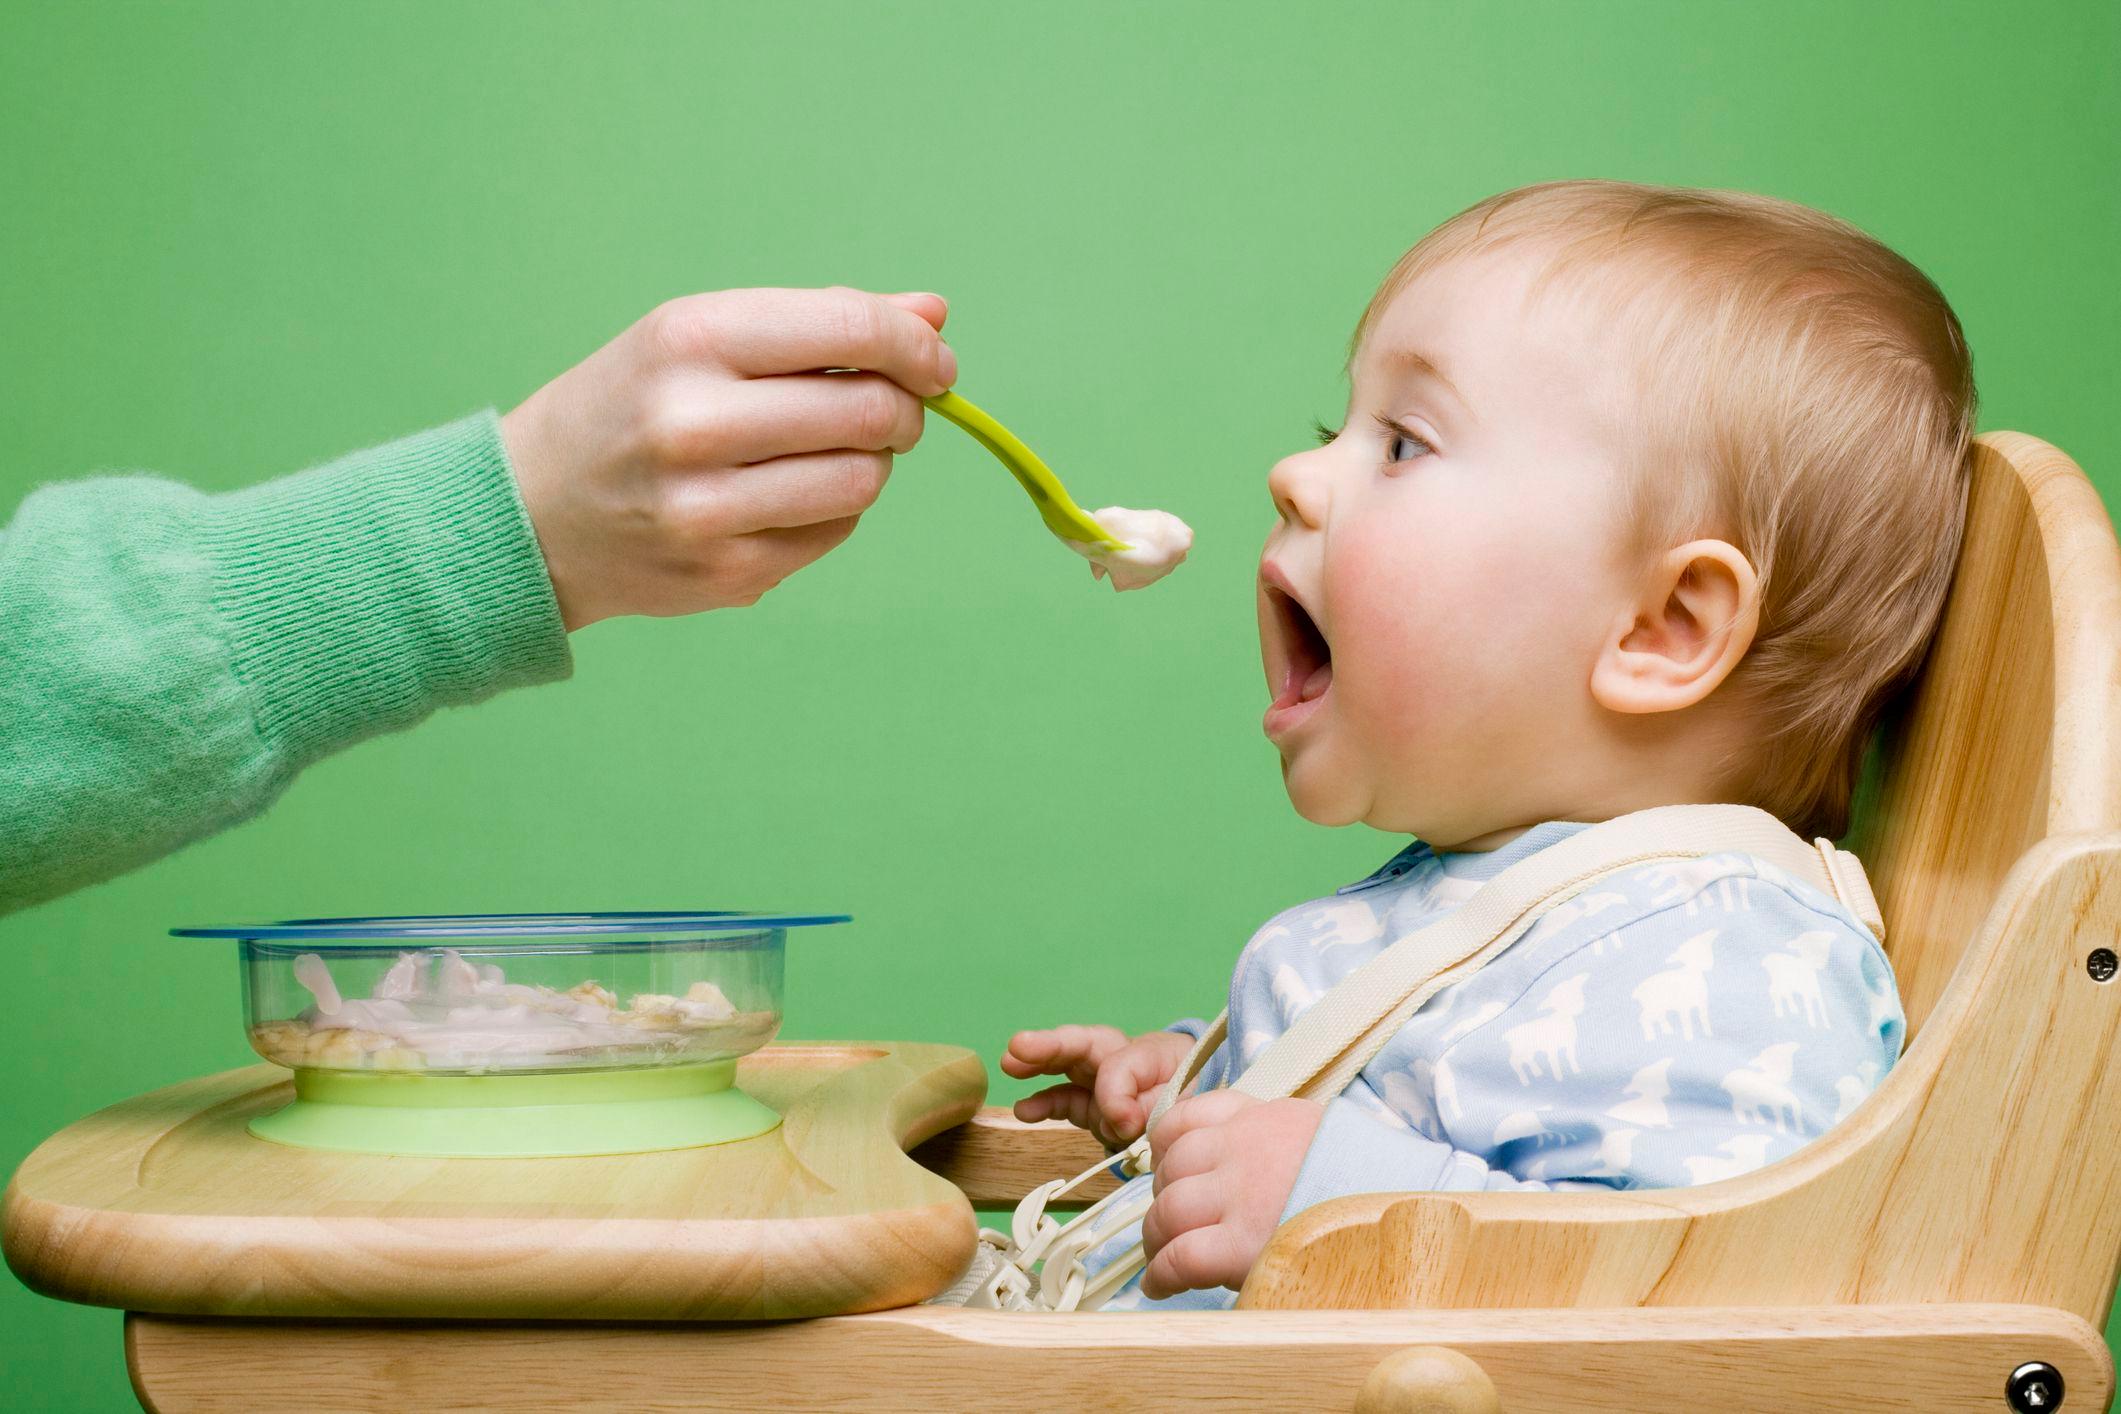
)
(1449, 1250)
(997, 1158)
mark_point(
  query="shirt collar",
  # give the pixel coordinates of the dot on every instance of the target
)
(1487, 863)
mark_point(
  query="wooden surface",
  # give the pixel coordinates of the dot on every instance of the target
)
(2025, 677)
(1987, 1166)
(165, 1203)
(1428, 1379)
(1913, 1360)
(996, 1158)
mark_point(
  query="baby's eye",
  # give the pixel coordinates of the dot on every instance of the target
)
(1323, 433)
(1404, 444)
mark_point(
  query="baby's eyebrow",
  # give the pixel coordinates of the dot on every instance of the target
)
(1416, 362)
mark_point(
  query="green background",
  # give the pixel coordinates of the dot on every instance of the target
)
(237, 239)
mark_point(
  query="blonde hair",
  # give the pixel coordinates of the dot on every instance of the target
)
(1800, 391)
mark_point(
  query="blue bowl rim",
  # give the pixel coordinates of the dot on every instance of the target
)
(652, 925)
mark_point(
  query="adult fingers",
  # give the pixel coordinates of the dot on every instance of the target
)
(1203, 1257)
(761, 332)
(761, 418)
(772, 555)
(783, 492)
(931, 307)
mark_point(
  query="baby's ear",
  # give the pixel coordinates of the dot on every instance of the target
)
(1696, 617)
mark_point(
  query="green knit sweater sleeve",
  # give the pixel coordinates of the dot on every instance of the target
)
(170, 659)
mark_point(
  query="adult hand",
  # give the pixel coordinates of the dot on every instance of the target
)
(706, 453)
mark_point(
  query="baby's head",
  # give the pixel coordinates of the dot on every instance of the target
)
(1644, 496)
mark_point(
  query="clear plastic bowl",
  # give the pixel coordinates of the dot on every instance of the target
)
(606, 1029)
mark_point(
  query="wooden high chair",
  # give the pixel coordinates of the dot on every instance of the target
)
(1952, 1245)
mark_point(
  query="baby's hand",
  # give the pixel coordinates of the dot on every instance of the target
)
(706, 453)
(1225, 1164)
(1111, 1080)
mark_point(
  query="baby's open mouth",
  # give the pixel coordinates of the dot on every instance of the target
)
(1306, 657)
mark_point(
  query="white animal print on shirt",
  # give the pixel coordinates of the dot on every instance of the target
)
(1571, 913)
(1525, 1124)
(1742, 1154)
(1447, 1107)
(1793, 976)
(1729, 895)
(1345, 924)
(1760, 1090)
(1681, 995)
(1472, 1021)
(1615, 1154)
(1541, 1045)
(1850, 1090)
(1291, 993)
(1669, 883)
(1646, 1090)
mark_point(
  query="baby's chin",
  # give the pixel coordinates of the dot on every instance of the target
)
(1322, 794)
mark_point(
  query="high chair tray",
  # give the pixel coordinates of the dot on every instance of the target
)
(165, 1203)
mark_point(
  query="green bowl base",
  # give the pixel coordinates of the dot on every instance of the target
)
(563, 1114)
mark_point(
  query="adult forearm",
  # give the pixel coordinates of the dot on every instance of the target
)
(169, 660)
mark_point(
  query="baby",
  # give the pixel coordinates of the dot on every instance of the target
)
(1645, 496)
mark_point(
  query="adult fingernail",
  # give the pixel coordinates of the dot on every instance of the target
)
(946, 366)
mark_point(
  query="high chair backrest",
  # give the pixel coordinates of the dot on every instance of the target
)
(2012, 732)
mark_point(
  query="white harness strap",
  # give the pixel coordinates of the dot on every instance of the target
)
(1037, 1265)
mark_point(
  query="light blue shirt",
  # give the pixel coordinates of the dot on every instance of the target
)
(1671, 1025)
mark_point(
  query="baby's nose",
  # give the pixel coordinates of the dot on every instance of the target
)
(1298, 490)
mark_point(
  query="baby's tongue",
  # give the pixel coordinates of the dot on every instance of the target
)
(1315, 685)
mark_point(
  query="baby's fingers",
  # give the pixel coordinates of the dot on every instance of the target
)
(1074, 1051)
(1198, 1258)
(1069, 1102)
(1200, 1112)
(1125, 1087)
(1180, 1208)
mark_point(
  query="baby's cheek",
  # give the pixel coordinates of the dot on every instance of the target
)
(1400, 667)
(1406, 602)
(1446, 639)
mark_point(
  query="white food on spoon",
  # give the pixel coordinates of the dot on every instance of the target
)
(1156, 541)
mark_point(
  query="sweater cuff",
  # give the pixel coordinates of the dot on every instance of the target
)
(1356, 1151)
(362, 594)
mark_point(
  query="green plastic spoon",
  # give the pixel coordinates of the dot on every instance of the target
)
(1061, 515)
